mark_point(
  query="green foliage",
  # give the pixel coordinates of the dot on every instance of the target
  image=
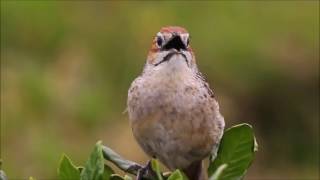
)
(235, 154)
(156, 168)
(116, 177)
(107, 172)
(218, 172)
(177, 175)
(94, 167)
(67, 170)
(126, 177)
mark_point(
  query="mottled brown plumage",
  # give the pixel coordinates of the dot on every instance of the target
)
(173, 112)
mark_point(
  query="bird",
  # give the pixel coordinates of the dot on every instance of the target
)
(173, 113)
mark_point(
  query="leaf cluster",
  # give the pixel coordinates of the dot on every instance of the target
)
(235, 155)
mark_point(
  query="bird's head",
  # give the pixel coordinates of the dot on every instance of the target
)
(171, 48)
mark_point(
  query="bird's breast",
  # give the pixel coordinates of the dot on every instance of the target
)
(171, 115)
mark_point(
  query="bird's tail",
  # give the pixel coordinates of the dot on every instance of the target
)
(195, 171)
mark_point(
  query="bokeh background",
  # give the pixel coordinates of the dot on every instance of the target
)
(66, 68)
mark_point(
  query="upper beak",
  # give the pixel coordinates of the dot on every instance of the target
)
(175, 43)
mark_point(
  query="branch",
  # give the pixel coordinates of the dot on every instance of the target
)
(125, 165)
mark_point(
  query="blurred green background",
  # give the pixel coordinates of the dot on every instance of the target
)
(66, 68)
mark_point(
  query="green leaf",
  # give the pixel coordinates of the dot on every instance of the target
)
(166, 174)
(67, 170)
(237, 149)
(177, 175)
(217, 174)
(94, 167)
(116, 177)
(107, 172)
(156, 168)
(126, 177)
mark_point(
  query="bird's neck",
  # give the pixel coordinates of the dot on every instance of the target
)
(174, 72)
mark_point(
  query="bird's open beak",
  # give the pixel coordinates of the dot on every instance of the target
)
(175, 43)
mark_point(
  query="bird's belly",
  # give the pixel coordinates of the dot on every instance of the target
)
(176, 127)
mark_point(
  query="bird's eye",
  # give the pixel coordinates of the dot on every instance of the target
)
(159, 41)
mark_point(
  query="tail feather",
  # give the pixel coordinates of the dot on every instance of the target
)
(195, 171)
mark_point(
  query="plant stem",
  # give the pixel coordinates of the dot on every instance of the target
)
(125, 165)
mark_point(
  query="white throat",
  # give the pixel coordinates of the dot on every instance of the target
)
(176, 67)
(174, 71)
